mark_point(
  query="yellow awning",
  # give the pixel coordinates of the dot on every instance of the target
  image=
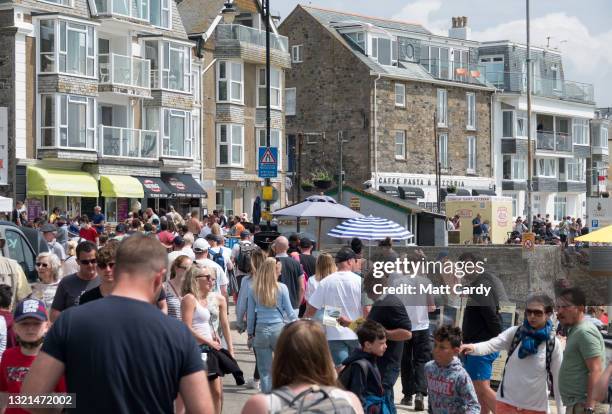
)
(69, 183)
(120, 186)
(603, 235)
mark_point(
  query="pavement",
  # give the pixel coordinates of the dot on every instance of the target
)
(234, 397)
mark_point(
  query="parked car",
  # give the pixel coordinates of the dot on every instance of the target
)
(19, 246)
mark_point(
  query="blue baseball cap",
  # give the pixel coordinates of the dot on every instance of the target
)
(31, 308)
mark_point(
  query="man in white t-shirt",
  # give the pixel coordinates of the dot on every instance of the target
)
(341, 290)
(417, 351)
(200, 249)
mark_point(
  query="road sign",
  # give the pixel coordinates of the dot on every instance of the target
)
(594, 223)
(266, 215)
(268, 162)
(528, 241)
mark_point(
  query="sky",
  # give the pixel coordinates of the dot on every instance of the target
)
(581, 30)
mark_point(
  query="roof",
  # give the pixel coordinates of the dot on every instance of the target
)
(390, 201)
(327, 16)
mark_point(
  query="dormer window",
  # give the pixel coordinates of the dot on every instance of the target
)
(381, 50)
(358, 38)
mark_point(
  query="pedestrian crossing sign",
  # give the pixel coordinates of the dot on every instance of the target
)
(268, 162)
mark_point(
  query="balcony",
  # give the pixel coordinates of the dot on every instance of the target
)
(251, 45)
(135, 9)
(454, 71)
(544, 87)
(128, 143)
(557, 142)
(128, 71)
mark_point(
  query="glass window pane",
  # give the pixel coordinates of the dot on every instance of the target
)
(507, 124)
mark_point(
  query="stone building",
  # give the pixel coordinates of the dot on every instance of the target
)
(100, 104)
(394, 92)
(234, 85)
(560, 125)
(598, 164)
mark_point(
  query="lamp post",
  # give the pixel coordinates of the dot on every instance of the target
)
(529, 154)
(229, 14)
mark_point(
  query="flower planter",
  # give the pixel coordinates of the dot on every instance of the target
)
(307, 187)
(322, 184)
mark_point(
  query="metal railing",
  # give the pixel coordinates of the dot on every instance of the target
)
(550, 141)
(542, 86)
(249, 35)
(136, 9)
(128, 143)
(124, 70)
(454, 71)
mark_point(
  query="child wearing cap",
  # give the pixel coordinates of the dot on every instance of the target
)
(31, 325)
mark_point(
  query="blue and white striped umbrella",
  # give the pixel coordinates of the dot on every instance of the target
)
(370, 228)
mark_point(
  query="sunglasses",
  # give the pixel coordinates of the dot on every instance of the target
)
(209, 277)
(105, 265)
(183, 267)
(534, 312)
(88, 262)
(42, 264)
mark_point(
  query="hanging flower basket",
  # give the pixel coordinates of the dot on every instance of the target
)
(322, 184)
(307, 186)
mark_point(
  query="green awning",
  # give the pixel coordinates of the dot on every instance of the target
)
(120, 186)
(55, 182)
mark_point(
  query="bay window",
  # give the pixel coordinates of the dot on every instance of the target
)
(173, 60)
(230, 81)
(67, 121)
(600, 136)
(275, 142)
(560, 207)
(580, 130)
(195, 134)
(230, 145)
(576, 169)
(521, 124)
(275, 88)
(514, 168)
(66, 47)
(546, 167)
(177, 139)
(160, 13)
(507, 124)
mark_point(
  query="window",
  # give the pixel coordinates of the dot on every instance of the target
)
(494, 70)
(560, 207)
(471, 155)
(514, 197)
(521, 124)
(275, 142)
(229, 82)
(471, 110)
(176, 72)
(600, 136)
(358, 38)
(67, 3)
(225, 201)
(546, 167)
(514, 168)
(195, 134)
(296, 54)
(576, 169)
(275, 88)
(580, 130)
(507, 121)
(230, 145)
(442, 108)
(160, 13)
(400, 94)
(176, 138)
(75, 53)
(290, 101)
(437, 61)
(443, 151)
(400, 144)
(67, 121)
(556, 77)
(196, 81)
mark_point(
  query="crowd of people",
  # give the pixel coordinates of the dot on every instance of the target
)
(136, 319)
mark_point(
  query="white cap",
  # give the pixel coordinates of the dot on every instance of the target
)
(200, 245)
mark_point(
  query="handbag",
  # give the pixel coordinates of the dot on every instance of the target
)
(232, 287)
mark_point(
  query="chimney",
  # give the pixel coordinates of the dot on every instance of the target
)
(460, 29)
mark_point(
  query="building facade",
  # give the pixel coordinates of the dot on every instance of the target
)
(562, 111)
(234, 85)
(598, 165)
(398, 97)
(102, 105)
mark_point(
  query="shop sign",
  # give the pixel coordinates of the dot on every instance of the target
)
(355, 203)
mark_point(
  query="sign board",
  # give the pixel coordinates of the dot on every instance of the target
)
(355, 203)
(594, 223)
(267, 193)
(266, 216)
(528, 241)
(268, 162)
(34, 207)
(599, 212)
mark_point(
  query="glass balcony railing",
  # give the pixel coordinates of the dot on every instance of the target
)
(249, 35)
(129, 143)
(124, 70)
(545, 87)
(136, 9)
(453, 71)
(549, 141)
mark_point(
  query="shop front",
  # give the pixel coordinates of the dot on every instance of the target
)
(186, 193)
(155, 190)
(120, 193)
(74, 192)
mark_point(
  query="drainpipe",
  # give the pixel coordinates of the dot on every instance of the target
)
(493, 144)
(375, 183)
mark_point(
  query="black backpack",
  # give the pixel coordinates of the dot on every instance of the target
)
(516, 340)
(243, 260)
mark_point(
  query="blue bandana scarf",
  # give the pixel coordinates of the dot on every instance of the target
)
(532, 338)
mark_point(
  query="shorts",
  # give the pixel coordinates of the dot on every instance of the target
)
(480, 368)
(503, 408)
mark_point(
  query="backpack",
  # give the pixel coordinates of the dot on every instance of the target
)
(314, 400)
(218, 257)
(372, 404)
(516, 340)
(243, 261)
